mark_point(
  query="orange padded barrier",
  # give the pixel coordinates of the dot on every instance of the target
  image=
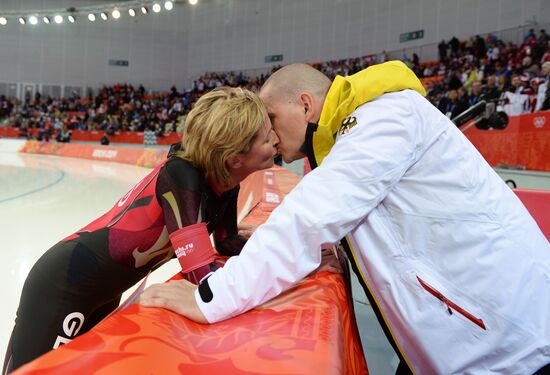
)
(137, 156)
(309, 329)
(306, 330)
(262, 191)
(95, 136)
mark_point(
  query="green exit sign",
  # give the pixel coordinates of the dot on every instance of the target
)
(273, 58)
(119, 62)
(411, 35)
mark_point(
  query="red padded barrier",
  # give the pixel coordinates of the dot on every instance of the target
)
(537, 203)
(525, 142)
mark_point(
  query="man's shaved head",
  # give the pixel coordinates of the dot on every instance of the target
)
(294, 96)
(289, 81)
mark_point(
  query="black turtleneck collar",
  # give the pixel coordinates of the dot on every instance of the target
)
(307, 147)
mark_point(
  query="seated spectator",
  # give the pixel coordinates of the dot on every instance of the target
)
(517, 102)
(63, 136)
(104, 140)
(491, 91)
(471, 75)
(450, 106)
(543, 36)
(529, 67)
(428, 71)
(546, 103)
(24, 131)
(493, 52)
(501, 69)
(542, 81)
(502, 83)
(475, 93)
(546, 55)
(529, 34)
(463, 96)
(44, 133)
(455, 81)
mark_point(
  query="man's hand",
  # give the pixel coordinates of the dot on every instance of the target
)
(176, 295)
(246, 230)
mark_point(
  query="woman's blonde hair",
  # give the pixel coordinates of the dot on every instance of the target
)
(222, 122)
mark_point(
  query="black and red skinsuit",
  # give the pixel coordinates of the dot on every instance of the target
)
(80, 280)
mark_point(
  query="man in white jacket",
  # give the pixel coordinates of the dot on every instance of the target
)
(456, 269)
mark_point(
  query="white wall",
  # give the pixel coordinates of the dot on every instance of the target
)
(219, 35)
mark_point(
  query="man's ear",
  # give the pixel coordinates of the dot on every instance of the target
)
(308, 103)
(234, 162)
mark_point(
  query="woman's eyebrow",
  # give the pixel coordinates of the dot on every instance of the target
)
(268, 133)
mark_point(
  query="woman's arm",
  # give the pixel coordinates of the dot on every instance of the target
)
(226, 237)
(179, 192)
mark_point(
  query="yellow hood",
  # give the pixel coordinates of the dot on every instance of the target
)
(348, 93)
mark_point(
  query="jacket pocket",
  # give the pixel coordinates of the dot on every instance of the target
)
(451, 306)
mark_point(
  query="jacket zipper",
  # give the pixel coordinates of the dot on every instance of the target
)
(450, 304)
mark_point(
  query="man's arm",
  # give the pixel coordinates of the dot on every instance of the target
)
(328, 203)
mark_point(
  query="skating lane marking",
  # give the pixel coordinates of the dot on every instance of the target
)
(58, 180)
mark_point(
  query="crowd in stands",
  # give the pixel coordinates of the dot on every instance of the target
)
(121, 107)
(490, 69)
(466, 72)
(115, 108)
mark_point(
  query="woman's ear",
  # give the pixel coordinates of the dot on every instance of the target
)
(234, 162)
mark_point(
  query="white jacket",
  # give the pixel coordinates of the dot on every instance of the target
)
(458, 268)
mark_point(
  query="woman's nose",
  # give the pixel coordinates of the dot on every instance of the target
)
(274, 139)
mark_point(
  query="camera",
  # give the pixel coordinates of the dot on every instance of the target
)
(484, 115)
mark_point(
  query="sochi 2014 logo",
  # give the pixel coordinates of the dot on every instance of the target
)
(538, 122)
(184, 250)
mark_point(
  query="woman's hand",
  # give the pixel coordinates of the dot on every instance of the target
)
(177, 296)
(329, 262)
(246, 230)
